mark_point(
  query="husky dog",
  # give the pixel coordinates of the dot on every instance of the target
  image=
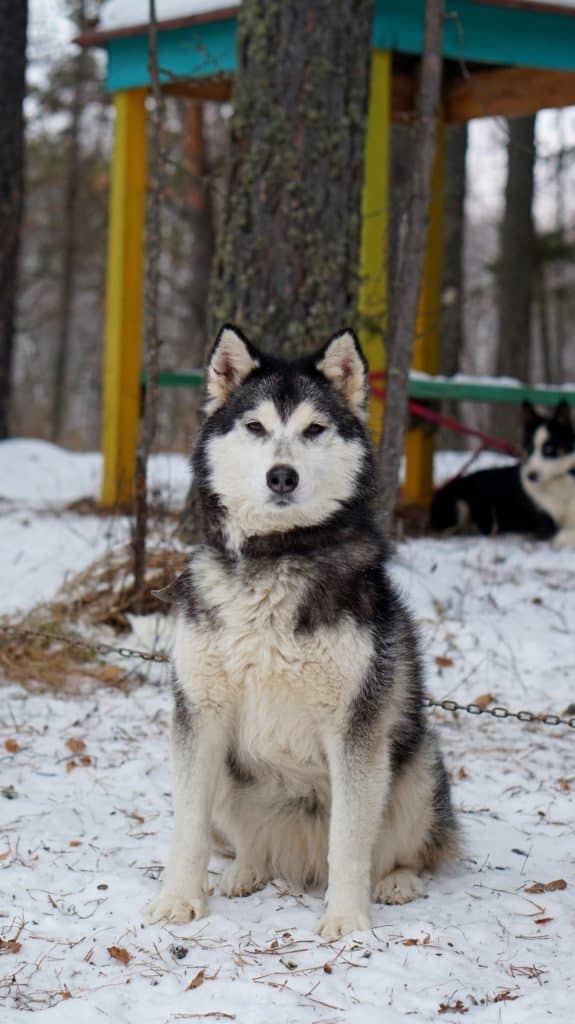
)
(299, 735)
(537, 495)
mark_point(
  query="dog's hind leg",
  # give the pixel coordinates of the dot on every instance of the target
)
(418, 829)
(240, 818)
(198, 749)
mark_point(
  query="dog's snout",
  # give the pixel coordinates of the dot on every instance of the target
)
(282, 479)
(533, 476)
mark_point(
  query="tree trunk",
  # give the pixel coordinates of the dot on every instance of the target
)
(13, 26)
(451, 328)
(516, 267)
(69, 218)
(407, 284)
(287, 260)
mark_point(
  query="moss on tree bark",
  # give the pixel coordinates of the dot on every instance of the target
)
(287, 260)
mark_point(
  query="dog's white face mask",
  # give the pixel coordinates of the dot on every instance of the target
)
(284, 462)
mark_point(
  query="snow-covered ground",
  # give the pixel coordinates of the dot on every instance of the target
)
(85, 813)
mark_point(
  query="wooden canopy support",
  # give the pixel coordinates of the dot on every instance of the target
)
(495, 92)
(419, 440)
(124, 299)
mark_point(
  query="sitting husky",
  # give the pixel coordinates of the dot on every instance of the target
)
(299, 734)
(535, 496)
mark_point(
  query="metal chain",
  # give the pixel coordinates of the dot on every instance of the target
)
(162, 657)
(498, 712)
(88, 646)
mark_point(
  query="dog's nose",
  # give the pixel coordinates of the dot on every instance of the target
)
(282, 479)
(533, 476)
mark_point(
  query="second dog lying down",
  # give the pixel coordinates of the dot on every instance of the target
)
(537, 495)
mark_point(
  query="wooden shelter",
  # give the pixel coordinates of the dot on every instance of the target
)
(502, 57)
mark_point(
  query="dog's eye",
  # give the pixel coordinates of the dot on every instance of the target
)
(255, 428)
(548, 449)
(314, 430)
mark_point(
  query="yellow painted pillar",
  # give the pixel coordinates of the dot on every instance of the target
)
(374, 230)
(420, 441)
(124, 298)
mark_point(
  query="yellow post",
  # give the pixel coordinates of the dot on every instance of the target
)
(124, 298)
(374, 212)
(419, 443)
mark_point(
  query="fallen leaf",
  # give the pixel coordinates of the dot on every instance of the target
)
(569, 710)
(564, 784)
(558, 883)
(457, 1007)
(461, 773)
(11, 746)
(75, 842)
(10, 946)
(327, 969)
(410, 942)
(75, 744)
(85, 760)
(137, 817)
(197, 980)
(443, 662)
(484, 700)
(506, 996)
(5, 855)
(543, 920)
(118, 953)
(71, 764)
(111, 673)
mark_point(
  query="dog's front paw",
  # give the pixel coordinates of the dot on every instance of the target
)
(242, 879)
(400, 886)
(336, 923)
(175, 907)
(564, 540)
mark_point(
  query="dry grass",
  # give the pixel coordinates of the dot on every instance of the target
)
(100, 596)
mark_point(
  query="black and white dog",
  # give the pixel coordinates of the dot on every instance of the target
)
(299, 735)
(537, 495)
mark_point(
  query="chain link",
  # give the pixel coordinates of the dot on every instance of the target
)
(161, 657)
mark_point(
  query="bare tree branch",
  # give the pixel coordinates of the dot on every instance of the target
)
(149, 421)
(406, 287)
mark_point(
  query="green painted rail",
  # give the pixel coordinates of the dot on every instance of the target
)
(428, 388)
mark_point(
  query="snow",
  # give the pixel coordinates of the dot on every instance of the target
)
(85, 832)
(124, 13)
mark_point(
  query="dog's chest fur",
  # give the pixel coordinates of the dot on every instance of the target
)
(248, 657)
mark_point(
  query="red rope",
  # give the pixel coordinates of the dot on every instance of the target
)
(440, 419)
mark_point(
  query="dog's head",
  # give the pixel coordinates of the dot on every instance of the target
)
(548, 443)
(283, 445)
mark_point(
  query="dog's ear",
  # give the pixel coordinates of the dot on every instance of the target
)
(344, 365)
(562, 414)
(529, 415)
(233, 358)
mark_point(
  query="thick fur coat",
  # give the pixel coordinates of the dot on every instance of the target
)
(299, 736)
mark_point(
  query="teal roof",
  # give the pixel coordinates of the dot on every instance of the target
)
(474, 31)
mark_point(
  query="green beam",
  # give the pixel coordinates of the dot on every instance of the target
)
(429, 388)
